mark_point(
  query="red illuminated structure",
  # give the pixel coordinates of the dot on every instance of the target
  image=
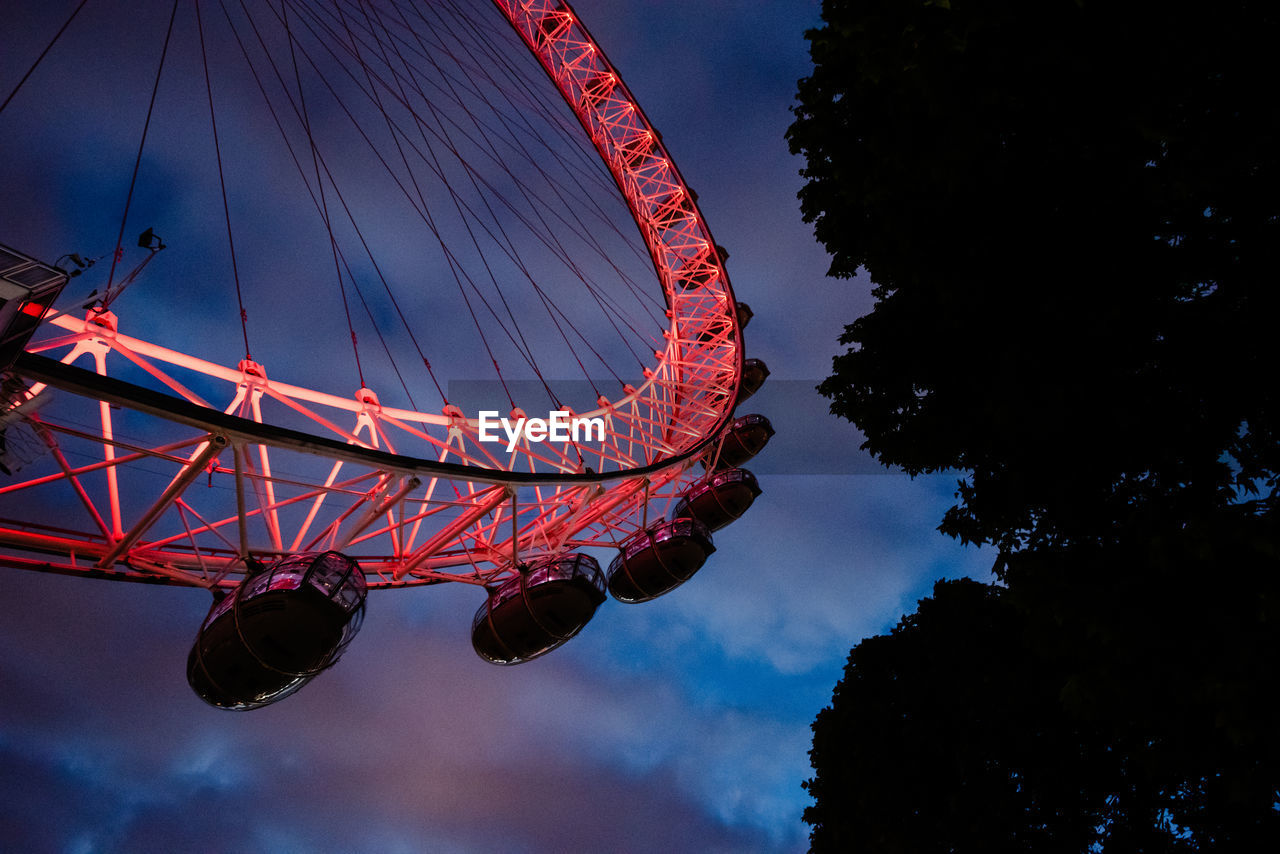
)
(27, 289)
(183, 469)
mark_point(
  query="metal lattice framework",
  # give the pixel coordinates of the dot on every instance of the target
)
(222, 462)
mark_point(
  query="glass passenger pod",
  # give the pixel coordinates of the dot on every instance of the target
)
(278, 629)
(538, 610)
(745, 437)
(754, 373)
(744, 314)
(27, 289)
(718, 498)
(659, 559)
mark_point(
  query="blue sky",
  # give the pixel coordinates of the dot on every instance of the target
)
(681, 724)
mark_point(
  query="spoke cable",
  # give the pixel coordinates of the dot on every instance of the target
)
(133, 180)
(551, 242)
(42, 55)
(222, 183)
(315, 159)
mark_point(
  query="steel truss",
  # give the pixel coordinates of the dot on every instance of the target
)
(182, 487)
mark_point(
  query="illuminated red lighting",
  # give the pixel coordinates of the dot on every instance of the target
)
(34, 309)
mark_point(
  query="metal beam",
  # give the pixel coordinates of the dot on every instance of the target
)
(176, 487)
(243, 431)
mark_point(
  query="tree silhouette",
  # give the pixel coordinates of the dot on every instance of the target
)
(947, 735)
(1070, 211)
(1113, 697)
(1167, 643)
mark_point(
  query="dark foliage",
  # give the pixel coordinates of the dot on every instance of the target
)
(990, 723)
(1168, 645)
(947, 735)
(1070, 210)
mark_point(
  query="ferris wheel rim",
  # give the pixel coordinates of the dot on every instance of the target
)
(529, 18)
(89, 384)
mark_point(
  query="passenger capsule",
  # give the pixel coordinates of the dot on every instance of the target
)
(754, 373)
(658, 559)
(745, 437)
(744, 313)
(718, 499)
(542, 607)
(278, 629)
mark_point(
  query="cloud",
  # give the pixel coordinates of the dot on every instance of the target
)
(411, 742)
(680, 724)
(411, 739)
(817, 564)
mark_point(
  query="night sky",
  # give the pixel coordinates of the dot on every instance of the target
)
(681, 724)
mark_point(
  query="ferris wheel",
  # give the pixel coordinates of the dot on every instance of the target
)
(390, 249)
